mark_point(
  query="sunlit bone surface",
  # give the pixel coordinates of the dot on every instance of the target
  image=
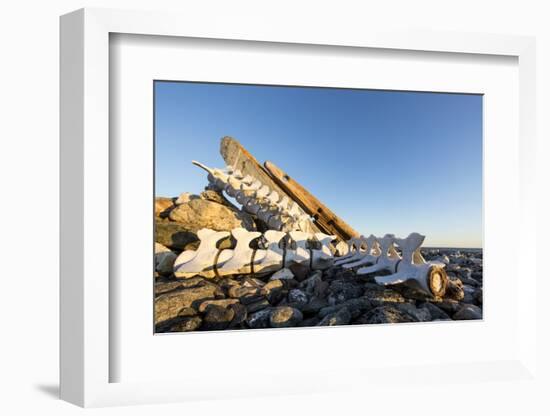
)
(238, 260)
(388, 259)
(259, 199)
(322, 258)
(369, 257)
(191, 263)
(413, 269)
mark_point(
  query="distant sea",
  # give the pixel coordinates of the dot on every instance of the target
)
(463, 249)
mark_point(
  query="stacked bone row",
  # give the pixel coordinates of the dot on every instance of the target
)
(280, 249)
(377, 255)
(277, 211)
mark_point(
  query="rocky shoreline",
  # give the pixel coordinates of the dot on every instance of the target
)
(290, 298)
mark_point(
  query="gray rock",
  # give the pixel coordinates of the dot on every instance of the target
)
(342, 290)
(169, 305)
(164, 260)
(183, 324)
(449, 306)
(285, 316)
(217, 318)
(379, 296)
(199, 213)
(385, 315)
(435, 312)
(282, 274)
(259, 319)
(162, 287)
(297, 296)
(314, 285)
(478, 297)
(313, 307)
(468, 312)
(274, 291)
(341, 317)
(240, 315)
(256, 306)
(418, 314)
(355, 307)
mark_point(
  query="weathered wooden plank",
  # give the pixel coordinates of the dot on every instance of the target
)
(324, 218)
(238, 157)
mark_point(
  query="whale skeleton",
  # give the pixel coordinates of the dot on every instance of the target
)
(409, 267)
(281, 250)
(277, 211)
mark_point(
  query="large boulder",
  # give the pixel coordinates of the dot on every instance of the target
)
(164, 259)
(162, 205)
(171, 305)
(200, 213)
(468, 312)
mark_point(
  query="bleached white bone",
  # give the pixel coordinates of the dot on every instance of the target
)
(215, 176)
(430, 277)
(256, 197)
(364, 249)
(299, 254)
(270, 259)
(369, 257)
(241, 256)
(322, 258)
(191, 263)
(388, 258)
(355, 247)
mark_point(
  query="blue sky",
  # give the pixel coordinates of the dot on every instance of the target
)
(384, 161)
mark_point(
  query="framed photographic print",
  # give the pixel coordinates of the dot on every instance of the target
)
(323, 207)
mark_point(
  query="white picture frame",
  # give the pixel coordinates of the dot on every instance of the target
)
(86, 353)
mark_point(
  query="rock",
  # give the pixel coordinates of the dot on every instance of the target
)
(170, 286)
(162, 205)
(478, 297)
(240, 315)
(183, 324)
(250, 299)
(435, 312)
(224, 303)
(274, 291)
(297, 296)
(355, 307)
(314, 285)
(379, 296)
(184, 198)
(215, 196)
(341, 291)
(342, 317)
(243, 291)
(454, 289)
(164, 259)
(259, 319)
(257, 306)
(199, 213)
(169, 305)
(285, 316)
(217, 318)
(300, 271)
(468, 312)
(418, 314)
(385, 315)
(313, 321)
(282, 274)
(314, 306)
(176, 236)
(191, 323)
(449, 306)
